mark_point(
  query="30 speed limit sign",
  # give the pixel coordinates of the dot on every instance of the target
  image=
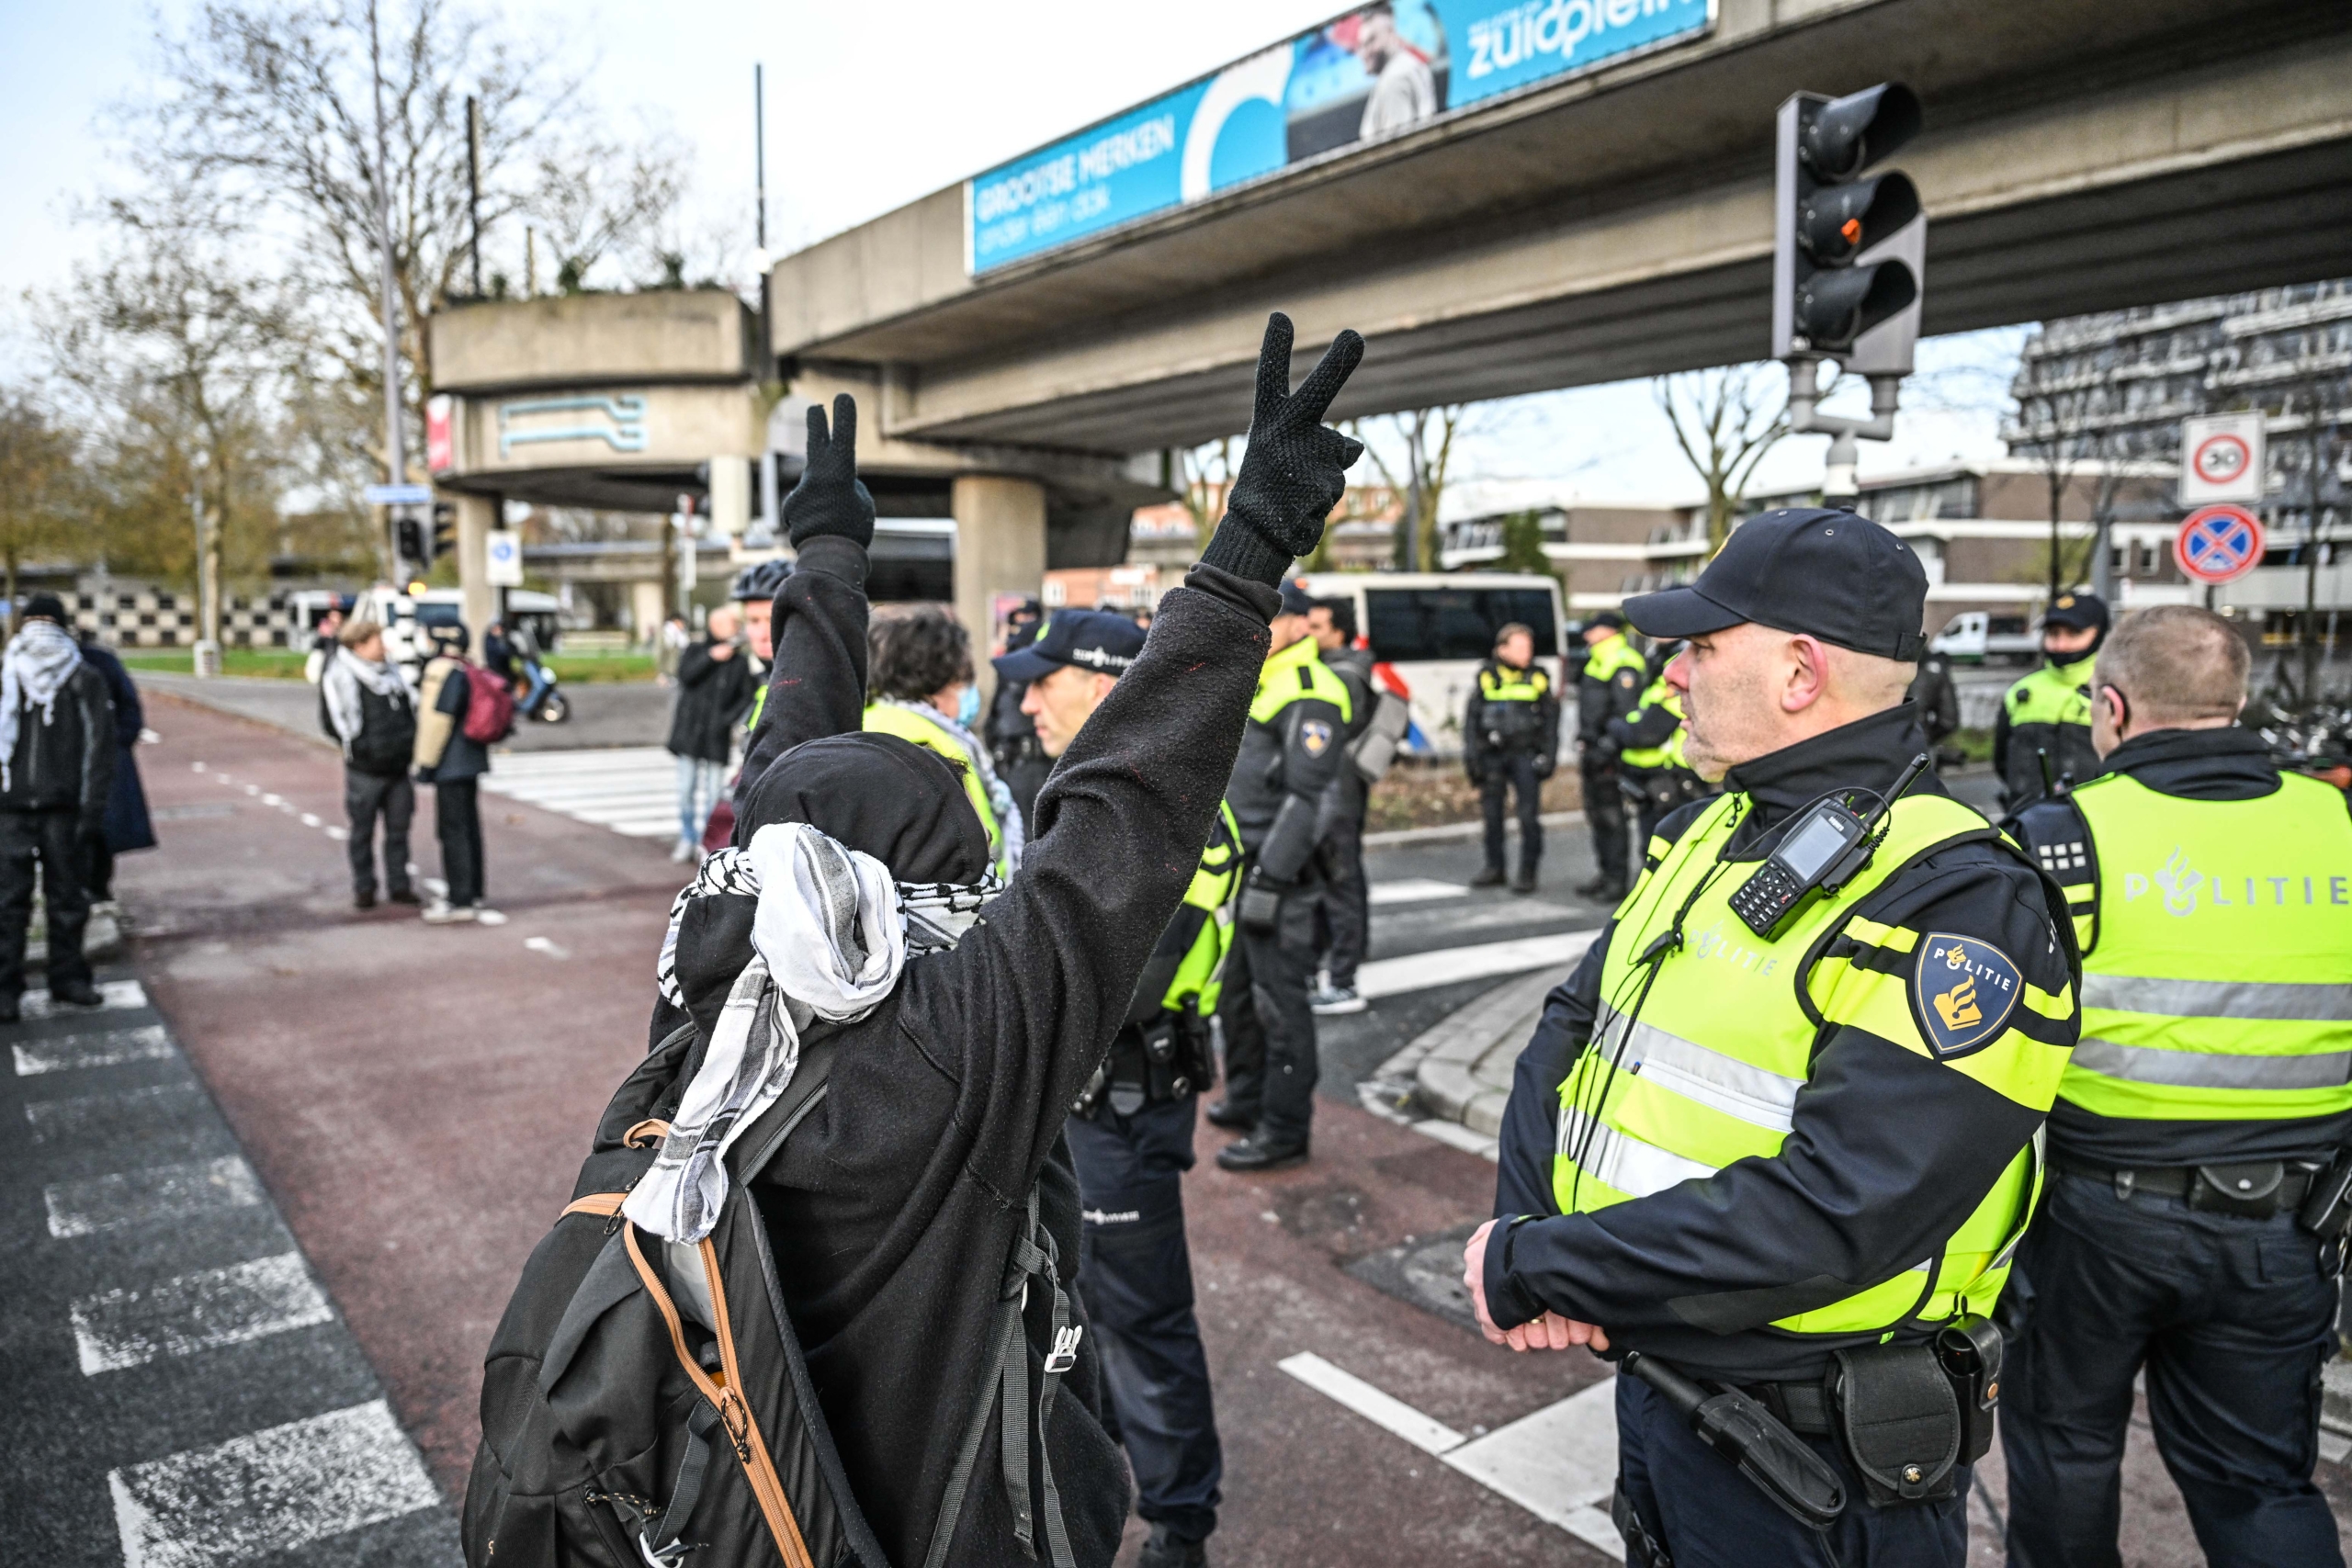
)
(2221, 459)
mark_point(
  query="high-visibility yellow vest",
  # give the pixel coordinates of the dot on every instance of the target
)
(2052, 694)
(889, 718)
(1207, 911)
(2217, 952)
(1707, 1069)
(1296, 671)
(1503, 685)
(1668, 754)
(1610, 655)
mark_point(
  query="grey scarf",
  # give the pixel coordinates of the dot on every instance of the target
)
(345, 673)
(40, 660)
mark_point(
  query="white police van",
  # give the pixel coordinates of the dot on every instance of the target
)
(1429, 631)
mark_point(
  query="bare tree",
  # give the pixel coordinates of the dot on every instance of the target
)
(1417, 472)
(1204, 474)
(2056, 426)
(37, 482)
(1724, 420)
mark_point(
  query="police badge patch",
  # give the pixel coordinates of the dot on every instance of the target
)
(1315, 736)
(1963, 991)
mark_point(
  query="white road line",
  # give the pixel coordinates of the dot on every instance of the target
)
(1390, 1415)
(552, 948)
(1414, 890)
(1448, 965)
(56, 1054)
(1559, 1464)
(114, 996)
(129, 1111)
(269, 1491)
(141, 1197)
(197, 1312)
(1461, 1137)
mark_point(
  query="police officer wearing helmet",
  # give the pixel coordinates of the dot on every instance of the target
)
(755, 588)
(2049, 712)
(1131, 1133)
(1780, 1135)
(1290, 752)
(1649, 742)
(2193, 1229)
(1609, 687)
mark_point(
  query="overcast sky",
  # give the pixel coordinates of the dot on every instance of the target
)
(870, 106)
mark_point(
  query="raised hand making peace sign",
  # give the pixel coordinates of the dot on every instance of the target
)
(1295, 468)
(829, 498)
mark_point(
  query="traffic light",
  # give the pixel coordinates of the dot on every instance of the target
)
(410, 534)
(1848, 250)
(444, 529)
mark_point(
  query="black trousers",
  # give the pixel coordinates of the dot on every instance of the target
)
(49, 843)
(1694, 1502)
(1346, 902)
(1135, 1274)
(456, 819)
(365, 798)
(1604, 813)
(98, 867)
(1508, 771)
(2233, 1318)
(1270, 1062)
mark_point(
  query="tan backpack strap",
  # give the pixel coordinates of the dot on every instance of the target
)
(646, 1134)
(604, 1205)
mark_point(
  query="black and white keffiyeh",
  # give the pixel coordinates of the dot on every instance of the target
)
(345, 673)
(830, 937)
(32, 672)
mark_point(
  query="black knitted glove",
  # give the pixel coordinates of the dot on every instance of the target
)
(1295, 468)
(829, 498)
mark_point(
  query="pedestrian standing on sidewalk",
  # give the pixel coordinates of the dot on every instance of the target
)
(57, 755)
(1511, 741)
(453, 762)
(366, 708)
(127, 826)
(715, 689)
(1347, 901)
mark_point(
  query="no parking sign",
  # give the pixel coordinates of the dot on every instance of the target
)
(2219, 543)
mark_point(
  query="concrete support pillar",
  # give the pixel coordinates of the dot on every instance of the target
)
(999, 548)
(731, 496)
(646, 611)
(477, 515)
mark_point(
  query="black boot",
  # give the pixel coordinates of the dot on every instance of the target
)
(1166, 1550)
(1492, 876)
(1231, 1117)
(1252, 1153)
(80, 995)
(1524, 882)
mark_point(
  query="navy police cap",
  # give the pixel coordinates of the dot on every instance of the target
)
(1091, 639)
(1829, 574)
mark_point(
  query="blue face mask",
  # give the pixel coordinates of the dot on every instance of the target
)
(967, 708)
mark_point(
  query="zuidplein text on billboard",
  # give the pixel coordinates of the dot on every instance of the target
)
(1369, 73)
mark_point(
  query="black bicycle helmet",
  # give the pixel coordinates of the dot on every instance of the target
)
(760, 579)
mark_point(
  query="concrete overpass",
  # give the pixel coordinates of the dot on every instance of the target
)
(2080, 155)
(623, 401)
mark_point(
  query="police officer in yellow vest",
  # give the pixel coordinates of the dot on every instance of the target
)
(1791, 1163)
(1511, 741)
(1290, 752)
(1131, 1133)
(1609, 687)
(2048, 714)
(2209, 1100)
(1650, 743)
(920, 688)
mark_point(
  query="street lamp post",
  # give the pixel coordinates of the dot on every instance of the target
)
(395, 460)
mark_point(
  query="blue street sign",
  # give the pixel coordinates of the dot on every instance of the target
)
(2219, 543)
(398, 495)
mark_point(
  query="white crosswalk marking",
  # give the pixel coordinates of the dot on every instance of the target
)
(197, 1312)
(1448, 965)
(149, 1043)
(1412, 890)
(126, 1114)
(143, 1197)
(629, 789)
(268, 1491)
(114, 996)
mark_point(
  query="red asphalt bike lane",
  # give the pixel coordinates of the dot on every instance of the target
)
(418, 1099)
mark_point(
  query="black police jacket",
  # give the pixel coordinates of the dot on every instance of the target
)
(1284, 765)
(897, 1202)
(1599, 701)
(1528, 729)
(2190, 764)
(1887, 1151)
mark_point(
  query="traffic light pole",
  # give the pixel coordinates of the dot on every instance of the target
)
(1839, 486)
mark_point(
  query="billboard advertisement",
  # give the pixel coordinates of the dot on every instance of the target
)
(1370, 73)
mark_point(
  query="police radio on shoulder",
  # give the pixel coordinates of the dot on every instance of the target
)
(1822, 852)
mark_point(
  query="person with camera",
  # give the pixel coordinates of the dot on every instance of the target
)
(2193, 1229)
(1775, 1141)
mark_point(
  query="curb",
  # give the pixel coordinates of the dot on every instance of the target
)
(1460, 1041)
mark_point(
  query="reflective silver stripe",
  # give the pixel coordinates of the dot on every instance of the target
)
(2210, 1070)
(2273, 1000)
(1737, 1088)
(1622, 1161)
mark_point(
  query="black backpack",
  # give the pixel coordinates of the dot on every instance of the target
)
(618, 1430)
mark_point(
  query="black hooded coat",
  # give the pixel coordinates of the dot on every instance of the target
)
(892, 1209)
